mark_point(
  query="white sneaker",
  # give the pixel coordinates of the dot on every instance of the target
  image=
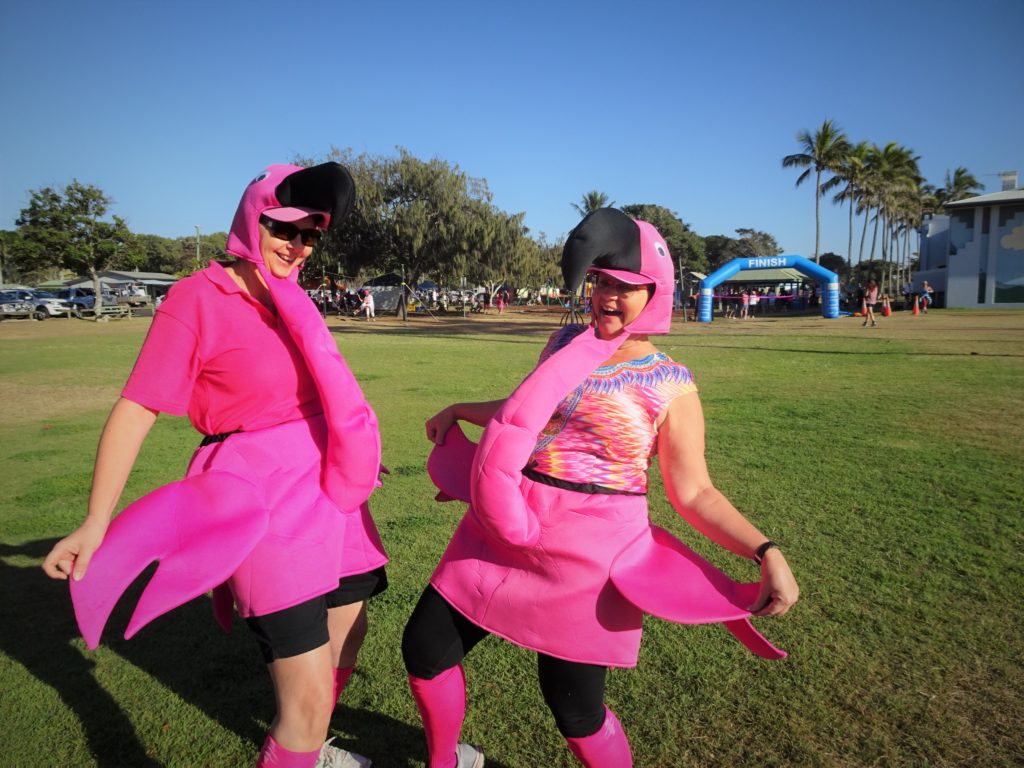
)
(336, 757)
(469, 756)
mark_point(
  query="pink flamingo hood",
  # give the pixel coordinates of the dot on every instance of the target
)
(204, 527)
(608, 240)
(353, 444)
(649, 571)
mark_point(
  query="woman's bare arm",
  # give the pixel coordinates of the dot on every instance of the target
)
(695, 498)
(122, 437)
(474, 413)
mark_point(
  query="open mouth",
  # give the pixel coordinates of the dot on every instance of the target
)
(610, 312)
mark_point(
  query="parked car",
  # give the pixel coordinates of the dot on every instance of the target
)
(44, 303)
(83, 299)
(133, 295)
(11, 306)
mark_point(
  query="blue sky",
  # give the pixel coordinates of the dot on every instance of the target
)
(171, 107)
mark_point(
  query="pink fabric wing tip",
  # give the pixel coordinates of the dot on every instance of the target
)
(448, 465)
(664, 577)
(200, 529)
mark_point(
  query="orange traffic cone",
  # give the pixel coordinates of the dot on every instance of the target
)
(917, 309)
(886, 309)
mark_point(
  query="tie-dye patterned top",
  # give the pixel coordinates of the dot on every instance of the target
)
(604, 433)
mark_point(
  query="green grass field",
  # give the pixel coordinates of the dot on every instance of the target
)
(887, 462)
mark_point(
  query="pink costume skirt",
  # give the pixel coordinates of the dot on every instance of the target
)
(250, 515)
(309, 543)
(557, 596)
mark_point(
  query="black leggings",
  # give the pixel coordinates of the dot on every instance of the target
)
(438, 637)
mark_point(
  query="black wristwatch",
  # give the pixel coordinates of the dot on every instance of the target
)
(759, 553)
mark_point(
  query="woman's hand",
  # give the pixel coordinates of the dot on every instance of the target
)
(473, 413)
(439, 424)
(779, 590)
(73, 552)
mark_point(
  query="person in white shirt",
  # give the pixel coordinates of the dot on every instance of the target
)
(367, 307)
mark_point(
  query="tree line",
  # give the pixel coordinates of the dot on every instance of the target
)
(428, 218)
(884, 186)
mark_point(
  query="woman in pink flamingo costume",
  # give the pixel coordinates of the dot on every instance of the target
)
(272, 514)
(555, 552)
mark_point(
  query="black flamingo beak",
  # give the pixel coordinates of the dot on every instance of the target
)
(605, 238)
(325, 187)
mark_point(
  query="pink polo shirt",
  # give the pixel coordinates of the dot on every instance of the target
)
(217, 354)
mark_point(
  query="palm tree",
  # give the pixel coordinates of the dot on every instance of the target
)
(869, 196)
(890, 172)
(823, 153)
(893, 181)
(591, 202)
(853, 172)
(931, 199)
(960, 185)
(907, 213)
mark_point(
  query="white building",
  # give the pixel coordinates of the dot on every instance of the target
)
(974, 255)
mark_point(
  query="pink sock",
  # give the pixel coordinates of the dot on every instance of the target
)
(442, 706)
(341, 676)
(608, 748)
(273, 755)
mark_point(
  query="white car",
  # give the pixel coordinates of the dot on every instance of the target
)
(44, 304)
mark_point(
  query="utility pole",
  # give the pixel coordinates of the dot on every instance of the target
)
(402, 299)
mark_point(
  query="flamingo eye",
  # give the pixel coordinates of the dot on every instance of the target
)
(660, 248)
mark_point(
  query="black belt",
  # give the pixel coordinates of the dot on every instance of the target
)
(568, 485)
(211, 439)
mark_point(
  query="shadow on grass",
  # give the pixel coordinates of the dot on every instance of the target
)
(388, 742)
(42, 643)
(185, 651)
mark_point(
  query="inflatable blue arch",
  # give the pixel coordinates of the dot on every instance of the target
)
(829, 281)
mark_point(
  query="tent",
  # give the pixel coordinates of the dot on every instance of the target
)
(382, 280)
(782, 275)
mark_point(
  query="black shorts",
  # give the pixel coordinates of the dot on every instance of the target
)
(303, 627)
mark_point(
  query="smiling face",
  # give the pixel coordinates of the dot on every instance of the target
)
(615, 304)
(282, 257)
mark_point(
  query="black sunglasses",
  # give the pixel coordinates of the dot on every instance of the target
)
(285, 230)
(597, 281)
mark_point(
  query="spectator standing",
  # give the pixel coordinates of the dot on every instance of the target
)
(870, 299)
